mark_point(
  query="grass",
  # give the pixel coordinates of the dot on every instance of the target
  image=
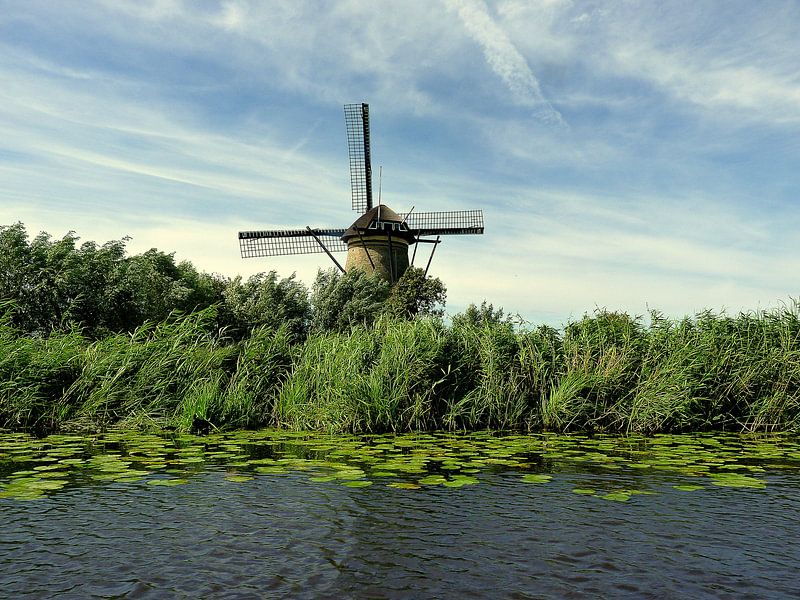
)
(606, 372)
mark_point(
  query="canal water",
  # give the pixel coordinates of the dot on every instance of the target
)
(272, 514)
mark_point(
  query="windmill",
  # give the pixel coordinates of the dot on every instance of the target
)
(379, 240)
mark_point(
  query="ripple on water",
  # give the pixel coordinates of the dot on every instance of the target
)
(233, 531)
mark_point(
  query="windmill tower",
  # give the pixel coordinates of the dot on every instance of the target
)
(379, 240)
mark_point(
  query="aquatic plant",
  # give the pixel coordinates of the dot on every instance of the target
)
(614, 468)
(607, 372)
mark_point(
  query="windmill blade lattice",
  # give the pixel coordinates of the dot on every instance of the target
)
(456, 222)
(378, 241)
(282, 242)
(356, 117)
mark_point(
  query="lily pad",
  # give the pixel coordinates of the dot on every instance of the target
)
(383, 474)
(350, 474)
(536, 478)
(358, 483)
(460, 481)
(276, 470)
(403, 485)
(432, 480)
(737, 480)
(617, 496)
(168, 482)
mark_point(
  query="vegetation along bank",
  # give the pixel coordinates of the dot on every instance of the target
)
(91, 338)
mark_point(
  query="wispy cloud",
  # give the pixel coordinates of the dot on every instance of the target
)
(747, 92)
(734, 61)
(503, 58)
(179, 122)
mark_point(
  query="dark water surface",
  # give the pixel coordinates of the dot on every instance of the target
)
(297, 529)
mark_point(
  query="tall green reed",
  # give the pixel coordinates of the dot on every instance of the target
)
(605, 372)
(487, 384)
(33, 372)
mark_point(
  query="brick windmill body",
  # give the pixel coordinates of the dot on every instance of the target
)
(379, 240)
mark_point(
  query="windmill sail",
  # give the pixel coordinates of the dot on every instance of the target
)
(356, 117)
(379, 239)
(456, 222)
(281, 242)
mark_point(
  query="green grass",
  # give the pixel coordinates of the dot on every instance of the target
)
(606, 372)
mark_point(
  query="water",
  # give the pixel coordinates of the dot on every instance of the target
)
(297, 530)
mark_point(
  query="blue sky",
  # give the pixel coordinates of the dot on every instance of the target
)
(627, 155)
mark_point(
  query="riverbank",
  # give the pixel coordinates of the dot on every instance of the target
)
(606, 373)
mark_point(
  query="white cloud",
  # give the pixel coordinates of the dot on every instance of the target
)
(749, 91)
(503, 57)
(192, 121)
(233, 15)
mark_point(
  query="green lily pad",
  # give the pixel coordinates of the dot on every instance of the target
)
(22, 494)
(48, 467)
(432, 480)
(403, 485)
(737, 480)
(168, 482)
(271, 470)
(617, 496)
(461, 480)
(350, 474)
(584, 491)
(688, 488)
(383, 474)
(358, 483)
(30, 488)
(53, 474)
(133, 479)
(322, 479)
(188, 460)
(536, 478)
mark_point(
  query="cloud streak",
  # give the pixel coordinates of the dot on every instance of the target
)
(503, 57)
(179, 123)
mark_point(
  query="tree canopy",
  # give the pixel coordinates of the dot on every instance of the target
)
(58, 284)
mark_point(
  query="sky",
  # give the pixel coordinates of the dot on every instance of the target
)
(627, 155)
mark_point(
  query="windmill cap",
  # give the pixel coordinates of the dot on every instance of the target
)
(369, 224)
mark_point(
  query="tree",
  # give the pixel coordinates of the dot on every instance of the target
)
(266, 300)
(55, 285)
(480, 316)
(414, 294)
(14, 260)
(36, 276)
(87, 283)
(342, 300)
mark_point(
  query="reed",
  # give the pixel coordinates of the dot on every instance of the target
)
(321, 391)
(488, 385)
(607, 372)
(34, 374)
(263, 362)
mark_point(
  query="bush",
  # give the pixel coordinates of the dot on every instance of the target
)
(414, 295)
(342, 301)
(266, 301)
